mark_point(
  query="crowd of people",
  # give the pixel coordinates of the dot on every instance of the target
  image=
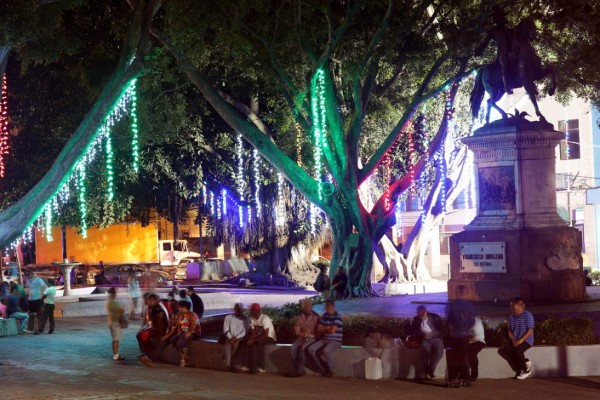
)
(467, 339)
(35, 301)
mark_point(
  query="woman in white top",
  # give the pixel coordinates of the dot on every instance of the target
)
(133, 287)
(476, 344)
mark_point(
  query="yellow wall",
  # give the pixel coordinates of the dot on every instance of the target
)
(115, 244)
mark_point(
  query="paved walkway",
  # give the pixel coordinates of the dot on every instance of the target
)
(75, 363)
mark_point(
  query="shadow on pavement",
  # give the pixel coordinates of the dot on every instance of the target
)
(579, 382)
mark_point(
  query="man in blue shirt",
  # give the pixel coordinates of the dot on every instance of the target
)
(520, 333)
(331, 326)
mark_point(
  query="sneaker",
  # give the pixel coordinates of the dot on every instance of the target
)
(528, 366)
(25, 332)
(523, 375)
(118, 357)
(262, 371)
(38, 332)
(182, 363)
(51, 331)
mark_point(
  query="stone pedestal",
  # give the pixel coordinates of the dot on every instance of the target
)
(517, 245)
(66, 269)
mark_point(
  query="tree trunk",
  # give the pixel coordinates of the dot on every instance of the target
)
(292, 261)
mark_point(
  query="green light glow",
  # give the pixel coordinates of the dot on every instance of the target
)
(110, 185)
(80, 183)
(132, 91)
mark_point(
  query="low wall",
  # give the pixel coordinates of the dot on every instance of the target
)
(96, 307)
(549, 361)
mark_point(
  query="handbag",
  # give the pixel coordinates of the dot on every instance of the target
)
(413, 342)
(123, 322)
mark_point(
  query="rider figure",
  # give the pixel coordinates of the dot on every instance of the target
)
(502, 36)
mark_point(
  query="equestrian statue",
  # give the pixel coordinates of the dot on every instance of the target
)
(516, 65)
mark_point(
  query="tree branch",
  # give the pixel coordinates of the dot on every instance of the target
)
(244, 109)
(281, 161)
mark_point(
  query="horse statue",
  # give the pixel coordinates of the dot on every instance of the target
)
(523, 68)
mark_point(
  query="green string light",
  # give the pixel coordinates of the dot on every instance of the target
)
(110, 186)
(319, 117)
(80, 183)
(48, 222)
(134, 125)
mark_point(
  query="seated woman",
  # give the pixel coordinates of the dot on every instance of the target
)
(185, 329)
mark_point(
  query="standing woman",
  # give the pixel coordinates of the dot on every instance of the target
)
(133, 287)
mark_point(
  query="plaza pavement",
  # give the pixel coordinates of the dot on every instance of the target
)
(75, 363)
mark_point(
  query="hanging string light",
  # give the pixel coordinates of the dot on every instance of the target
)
(256, 167)
(387, 174)
(80, 184)
(280, 208)
(319, 118)
(3, 126)
(110, 186)
(48, 222)
(135, 145)
(398, 214)
(298, 144)
(224, 196)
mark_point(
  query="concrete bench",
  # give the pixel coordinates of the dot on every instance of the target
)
(8, 327)
(549, 361)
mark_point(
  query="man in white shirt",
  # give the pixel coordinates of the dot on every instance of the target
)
(262, 332)
(36, 291)
(476, 344)
(235, 329)
(48, 297)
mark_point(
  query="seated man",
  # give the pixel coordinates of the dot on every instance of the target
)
(305, 329)
(150, 336)
(429, 327)
(262, 332)
(235, 329)
(331, 326)
(520, 332)
(13, 311)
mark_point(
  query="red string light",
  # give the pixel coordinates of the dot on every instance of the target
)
(3, 126)
(387, 173)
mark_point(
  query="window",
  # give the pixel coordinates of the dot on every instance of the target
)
(167, 246)
(569, 146)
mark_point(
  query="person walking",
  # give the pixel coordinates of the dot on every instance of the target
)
(235, 329)
(34, 299)
(323, 283)
(197, 303)
(429, 328)
(331, 326)
(461, 319)
(305, 329)
(114, 312)
(135, 293)
(48, 311)
(520, 333)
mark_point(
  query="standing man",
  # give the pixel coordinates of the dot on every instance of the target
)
(114, 311)
(429, 328)
(461, 319)
(235, 329)
(36, 291)
(340, 282)
(197, 303)
(476, 344)
(323, 283)
(305, 329)
(48, 312)
(331, 326)
(520, 333)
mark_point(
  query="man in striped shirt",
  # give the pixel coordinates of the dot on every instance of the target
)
(520, 332)
(331, 326)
